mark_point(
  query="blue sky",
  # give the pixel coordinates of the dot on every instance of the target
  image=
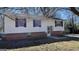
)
(63, 14)
(66, 15)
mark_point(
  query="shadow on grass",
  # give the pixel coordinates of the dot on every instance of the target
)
(5, 44)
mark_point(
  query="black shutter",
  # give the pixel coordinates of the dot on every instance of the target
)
(25, 23)
(33, 23)
(16, 22)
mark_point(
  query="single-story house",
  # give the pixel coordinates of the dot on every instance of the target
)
(22, 26)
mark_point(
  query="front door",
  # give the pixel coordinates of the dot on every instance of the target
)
(49, 30)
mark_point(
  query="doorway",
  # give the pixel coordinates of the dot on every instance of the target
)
(49, 30)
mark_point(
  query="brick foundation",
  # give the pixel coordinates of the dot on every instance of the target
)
(18, 36)
(57, 33)
(33, 35)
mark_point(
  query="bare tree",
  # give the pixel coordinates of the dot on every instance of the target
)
(48, 11)
(75, 10)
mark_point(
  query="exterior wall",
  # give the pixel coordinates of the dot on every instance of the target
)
(1, 24)
(14, 33)
(9, 26)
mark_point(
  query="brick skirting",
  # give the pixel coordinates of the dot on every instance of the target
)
(18, 36)
(33, 35)
(57, 33)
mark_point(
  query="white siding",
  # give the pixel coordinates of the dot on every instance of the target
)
(1, 24)
(10, 26)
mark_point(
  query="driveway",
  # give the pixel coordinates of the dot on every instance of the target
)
(73, 35)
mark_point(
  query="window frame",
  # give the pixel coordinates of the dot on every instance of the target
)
(58, 23)
(36, 24)
(18, 23)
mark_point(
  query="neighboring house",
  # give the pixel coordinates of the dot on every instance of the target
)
(23, 25)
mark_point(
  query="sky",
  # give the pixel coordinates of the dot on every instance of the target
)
(62, 13)
(66, 15)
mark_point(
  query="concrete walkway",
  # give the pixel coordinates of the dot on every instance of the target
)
(73, 35)
(57, 37)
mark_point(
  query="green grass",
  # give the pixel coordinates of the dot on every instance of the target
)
(56, 46)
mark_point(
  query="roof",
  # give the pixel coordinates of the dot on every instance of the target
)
(10, 15)
(58, 19)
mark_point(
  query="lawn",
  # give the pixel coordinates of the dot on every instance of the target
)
(56, 46)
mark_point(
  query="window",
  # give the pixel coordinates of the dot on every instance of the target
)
(36, 23)
(58, 23)
(20, 22)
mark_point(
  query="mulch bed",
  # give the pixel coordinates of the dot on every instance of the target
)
(10, 44)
